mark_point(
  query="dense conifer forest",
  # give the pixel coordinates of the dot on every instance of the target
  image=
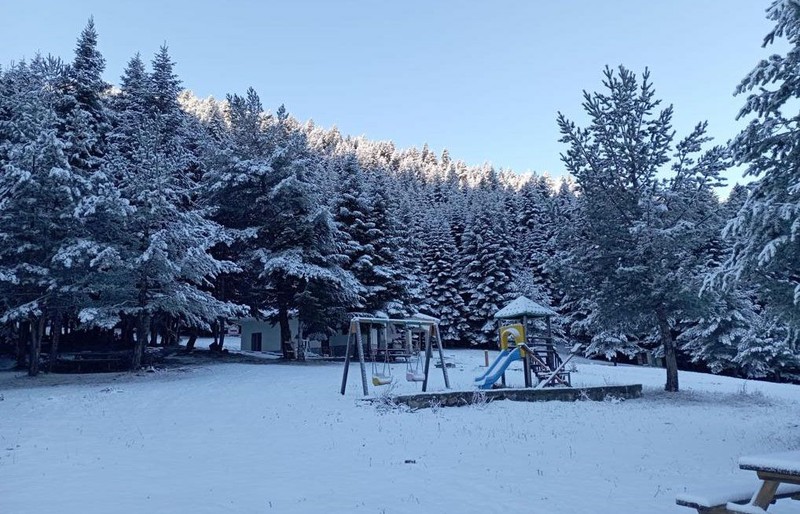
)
(132, 213)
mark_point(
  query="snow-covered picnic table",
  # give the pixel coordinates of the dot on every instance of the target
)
(779, 475)
(784, 465)
(773, 470)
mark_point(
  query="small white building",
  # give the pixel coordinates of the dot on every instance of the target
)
(259, 335)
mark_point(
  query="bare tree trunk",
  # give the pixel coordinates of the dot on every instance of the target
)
(154, 322)
(218, 327)
(127, 330)
(221, 334)
(175, 333)
(301, 351)
(286, 331)
(22, 344)
(670, 358)
(169, 331)
(142, 331)
(37, 328)
(55, 337)
(192, 339)
(215, 332)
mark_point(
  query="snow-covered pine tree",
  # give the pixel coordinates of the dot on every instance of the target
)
(533, 225)
(236, 188)
(441, 290)
(487, 267)
(732, 329)
(389, 288)
(85, 119)
(40, 193)
(159, 261)
(301, 235)
(409, 216)
(352, 213)
(766, 230)
(769, 350)
(716, 336)
(287, 243)
(364, 214)
(640, 249)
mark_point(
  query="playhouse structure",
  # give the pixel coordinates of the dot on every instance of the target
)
(526, 334)
(381, 341)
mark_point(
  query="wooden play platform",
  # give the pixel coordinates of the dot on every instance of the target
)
(564, 394)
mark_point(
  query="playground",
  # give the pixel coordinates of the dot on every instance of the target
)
(248, 438)
(266, 436)
(525, 335)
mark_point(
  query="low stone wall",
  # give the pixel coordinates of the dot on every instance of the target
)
(563, 394)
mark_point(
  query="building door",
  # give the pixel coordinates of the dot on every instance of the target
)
(255, 341)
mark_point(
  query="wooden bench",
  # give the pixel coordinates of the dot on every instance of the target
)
(90, 361)
(731, 500)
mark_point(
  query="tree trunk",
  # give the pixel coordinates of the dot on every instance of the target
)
(218, 328)
(221, 334)
(22, 344)
(301, 350)
(175, 333)
(154, 331)
(192, 339)
(37, 328)
(169, 331)
(670, 358)
(142, 331)
(215, 333)
(55, 337)
(286, 332)
(127, 331)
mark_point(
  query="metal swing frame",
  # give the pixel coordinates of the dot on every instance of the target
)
(430, 326)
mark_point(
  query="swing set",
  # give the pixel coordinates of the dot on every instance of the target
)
(384, 340)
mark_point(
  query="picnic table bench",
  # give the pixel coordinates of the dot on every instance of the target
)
(81, 362)
(779, 476)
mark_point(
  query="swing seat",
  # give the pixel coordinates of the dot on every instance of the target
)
(413, 376)
(381, 380)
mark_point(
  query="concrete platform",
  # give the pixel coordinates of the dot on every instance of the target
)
(563, 394)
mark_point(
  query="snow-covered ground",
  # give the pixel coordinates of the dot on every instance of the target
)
(245, 438)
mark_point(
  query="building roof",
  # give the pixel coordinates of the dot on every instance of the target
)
(523, 306)
(419, 315)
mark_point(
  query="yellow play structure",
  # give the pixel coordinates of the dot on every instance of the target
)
(515, 332)
(519, 340)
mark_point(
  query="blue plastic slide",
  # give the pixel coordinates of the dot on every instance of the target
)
(497, 368)
(492, 366)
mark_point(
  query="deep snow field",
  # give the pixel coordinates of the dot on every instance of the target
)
(248, 438)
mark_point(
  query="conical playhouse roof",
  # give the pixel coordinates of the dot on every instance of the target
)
(523, 306)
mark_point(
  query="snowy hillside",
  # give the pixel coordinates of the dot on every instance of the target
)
(279, 438)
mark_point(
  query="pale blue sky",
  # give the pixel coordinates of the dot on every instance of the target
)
(481, 78)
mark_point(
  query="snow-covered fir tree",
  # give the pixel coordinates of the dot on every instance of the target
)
(441, 292)
(40, 220)
(534, 226)
(487, 268)
(85, 120)
(766, 230)
(351, 213)
(165, 210)
(159, 262)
